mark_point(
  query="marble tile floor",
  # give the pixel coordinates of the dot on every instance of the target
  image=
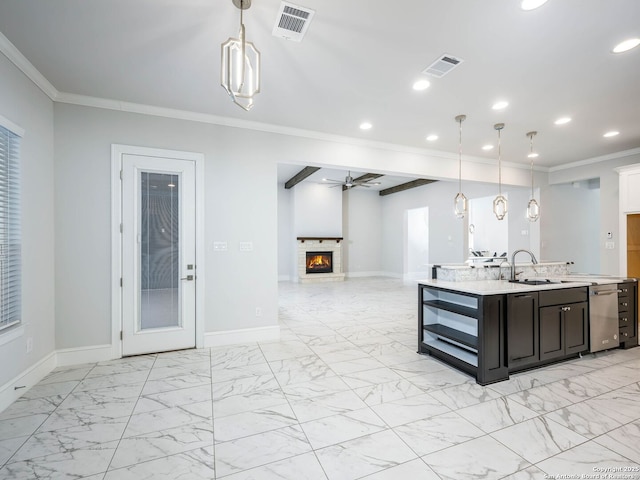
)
(343, 395)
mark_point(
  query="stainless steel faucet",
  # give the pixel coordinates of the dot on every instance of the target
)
(513, 261)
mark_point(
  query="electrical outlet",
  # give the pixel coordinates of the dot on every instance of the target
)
(258, 312)
(609, 245)
(29, 346)
(246, 246)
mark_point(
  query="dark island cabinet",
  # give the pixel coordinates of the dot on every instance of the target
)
(463, 330)
(628, 319)
(564, 326)
(523, 345)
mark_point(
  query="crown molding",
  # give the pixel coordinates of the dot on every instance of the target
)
(591, 161)
(19, 60)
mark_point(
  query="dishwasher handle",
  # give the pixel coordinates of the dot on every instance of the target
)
(606, 292)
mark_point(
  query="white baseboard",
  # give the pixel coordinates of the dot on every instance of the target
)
(93, 354)
(244, 335)
(27, 379)
(366, 274)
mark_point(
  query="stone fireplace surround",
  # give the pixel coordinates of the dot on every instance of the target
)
(320, 244)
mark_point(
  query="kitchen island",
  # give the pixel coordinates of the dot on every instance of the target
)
(491, 328)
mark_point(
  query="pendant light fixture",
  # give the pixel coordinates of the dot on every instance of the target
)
(460, 201)
(533, 209)
(240, 65)
(500, 202)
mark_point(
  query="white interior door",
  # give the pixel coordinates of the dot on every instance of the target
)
(158, 254)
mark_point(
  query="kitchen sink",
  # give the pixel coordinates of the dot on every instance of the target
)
(534, 281)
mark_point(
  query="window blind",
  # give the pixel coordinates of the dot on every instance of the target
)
(10, 241)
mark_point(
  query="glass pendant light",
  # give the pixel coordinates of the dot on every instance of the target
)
(460, 201)
(533, 209)
(240, 65)
(500, 202)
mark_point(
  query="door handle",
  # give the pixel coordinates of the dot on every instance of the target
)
(188, 278)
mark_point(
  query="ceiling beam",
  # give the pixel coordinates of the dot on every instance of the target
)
(300, 176)
(363, 178)
(406, 186)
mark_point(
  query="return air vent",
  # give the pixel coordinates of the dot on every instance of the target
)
(442, 66)
(292, 21)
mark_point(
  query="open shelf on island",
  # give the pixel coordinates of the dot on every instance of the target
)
(438, 347)
(453, 334)
(452, 307)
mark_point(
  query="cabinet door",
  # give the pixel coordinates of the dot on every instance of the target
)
(522, 329)
(576, 328)
(551, 333)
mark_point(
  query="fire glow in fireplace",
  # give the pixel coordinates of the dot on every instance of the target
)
(319, 262)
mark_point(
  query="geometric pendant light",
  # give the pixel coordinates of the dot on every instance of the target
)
(500, 202)
(460, 201)
(533, 208)
(240, 65)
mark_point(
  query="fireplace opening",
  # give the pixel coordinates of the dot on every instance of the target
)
(319, 262)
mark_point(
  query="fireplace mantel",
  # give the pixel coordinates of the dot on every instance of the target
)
(320, 239)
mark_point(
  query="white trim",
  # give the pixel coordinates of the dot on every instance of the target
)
(244, 335)
(117, 151)
(9, 125)
(590, 161)
(19, 60)
(92, 354)
(129, 107)
(11, 334)
(366, 274)
(27, 379)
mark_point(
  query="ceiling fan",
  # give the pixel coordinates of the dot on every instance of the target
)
(350, 182)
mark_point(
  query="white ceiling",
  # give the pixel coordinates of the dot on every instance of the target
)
(358, 62)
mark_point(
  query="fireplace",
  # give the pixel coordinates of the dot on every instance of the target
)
(319, 262)
(319, 259)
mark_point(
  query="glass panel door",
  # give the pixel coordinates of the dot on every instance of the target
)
(159, 251)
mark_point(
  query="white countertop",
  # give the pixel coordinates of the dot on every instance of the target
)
(497, 287)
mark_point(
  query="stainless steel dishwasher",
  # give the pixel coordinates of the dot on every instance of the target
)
(603, 317)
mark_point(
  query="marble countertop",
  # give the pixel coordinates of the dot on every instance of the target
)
(497, 287)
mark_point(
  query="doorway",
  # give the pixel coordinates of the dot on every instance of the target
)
(157, 236)
(417, 243)
(633, 245)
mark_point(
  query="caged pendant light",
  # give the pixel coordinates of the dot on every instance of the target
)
(500, 202)
(533, 208)
(240, 65)
(460, 201)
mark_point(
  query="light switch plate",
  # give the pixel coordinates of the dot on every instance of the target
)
(219, 246)
(246, 246)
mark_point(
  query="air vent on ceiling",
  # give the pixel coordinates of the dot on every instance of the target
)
(442, 66)
(292, 21)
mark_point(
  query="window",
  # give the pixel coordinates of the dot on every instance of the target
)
(10, 244)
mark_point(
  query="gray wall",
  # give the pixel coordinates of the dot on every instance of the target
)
(573, 236)
(362, 231)
(240, 205)
(609, 203)
(22, 103)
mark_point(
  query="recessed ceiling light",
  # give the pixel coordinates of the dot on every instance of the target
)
(626, 45)
(612, 133)
(531, 4)
(421, 85)
(487, 147)
(500, 105)
(365, 126)
(532, 155)
(432, 138)
(562, 120)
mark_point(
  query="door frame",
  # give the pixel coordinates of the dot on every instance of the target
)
(117, 151)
